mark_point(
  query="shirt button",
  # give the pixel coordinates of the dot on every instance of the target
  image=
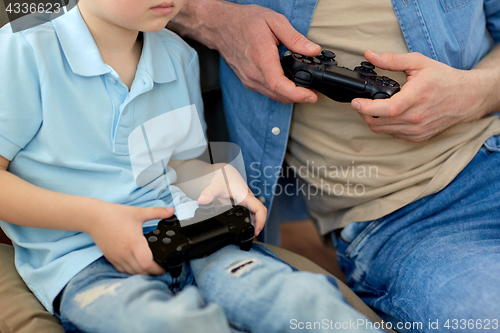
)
(276, 130)
(125, 111)
(111, 80)
(262, 199)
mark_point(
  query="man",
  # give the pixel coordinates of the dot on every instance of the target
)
(419, 237)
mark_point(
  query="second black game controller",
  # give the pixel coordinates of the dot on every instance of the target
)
(172, 244)
(341, 84)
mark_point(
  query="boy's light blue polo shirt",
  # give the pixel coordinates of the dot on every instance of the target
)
(65, 121)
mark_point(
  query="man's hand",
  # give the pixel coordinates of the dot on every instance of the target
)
(435, 97)
(237, 189)
(118, 234)
(248, 36)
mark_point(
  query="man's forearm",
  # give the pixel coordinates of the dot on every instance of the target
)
(198, 20)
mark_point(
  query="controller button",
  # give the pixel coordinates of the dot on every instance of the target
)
(152, 239)
(367, 66)
(170, 221)
(307, 61)
(179, 248)
(317, 61)
(170, 233)
(304, 76)
(247, 219)
(328, 54)
(230, 212)
(298, 56)
(156, 232)
(239, 214)
(166, 240)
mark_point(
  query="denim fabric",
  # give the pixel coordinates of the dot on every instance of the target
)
(228, 291)
(455, 32)
(437, 259)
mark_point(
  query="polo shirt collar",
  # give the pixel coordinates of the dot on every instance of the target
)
(156, 59)
(84, 58)
(78, 44)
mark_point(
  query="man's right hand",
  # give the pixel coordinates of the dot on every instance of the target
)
(248, 36)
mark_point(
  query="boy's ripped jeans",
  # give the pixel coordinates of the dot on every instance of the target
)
(229, 291)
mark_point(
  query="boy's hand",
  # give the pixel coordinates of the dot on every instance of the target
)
(119, 235)
(238, 190)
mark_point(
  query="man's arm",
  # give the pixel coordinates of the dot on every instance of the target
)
(435, 97)
(248, 36)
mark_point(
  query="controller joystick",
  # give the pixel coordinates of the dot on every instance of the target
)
(341, 84)
(172, 244)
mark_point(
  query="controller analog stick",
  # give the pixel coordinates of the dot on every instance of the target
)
(328, 54)
(171, 221)
(367, 66)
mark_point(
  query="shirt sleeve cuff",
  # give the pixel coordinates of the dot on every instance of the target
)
(8, 149)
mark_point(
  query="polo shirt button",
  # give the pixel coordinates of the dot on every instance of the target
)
(125, 111)
(262, 199)
(276, 131)
(111, 80)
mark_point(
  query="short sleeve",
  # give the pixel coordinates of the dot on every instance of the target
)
(20, 98)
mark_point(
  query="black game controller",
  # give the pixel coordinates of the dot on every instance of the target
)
(172, 244)
(338, 83)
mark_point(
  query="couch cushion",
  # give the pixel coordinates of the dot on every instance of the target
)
(20, 311)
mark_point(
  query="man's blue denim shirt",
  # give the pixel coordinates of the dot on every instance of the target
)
(456, 32)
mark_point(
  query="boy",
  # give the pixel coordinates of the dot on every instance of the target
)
(73, 92)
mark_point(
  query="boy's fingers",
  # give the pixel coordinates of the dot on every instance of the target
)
(154, 213)
(259, 211)
(144, 259)
(207, 196)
